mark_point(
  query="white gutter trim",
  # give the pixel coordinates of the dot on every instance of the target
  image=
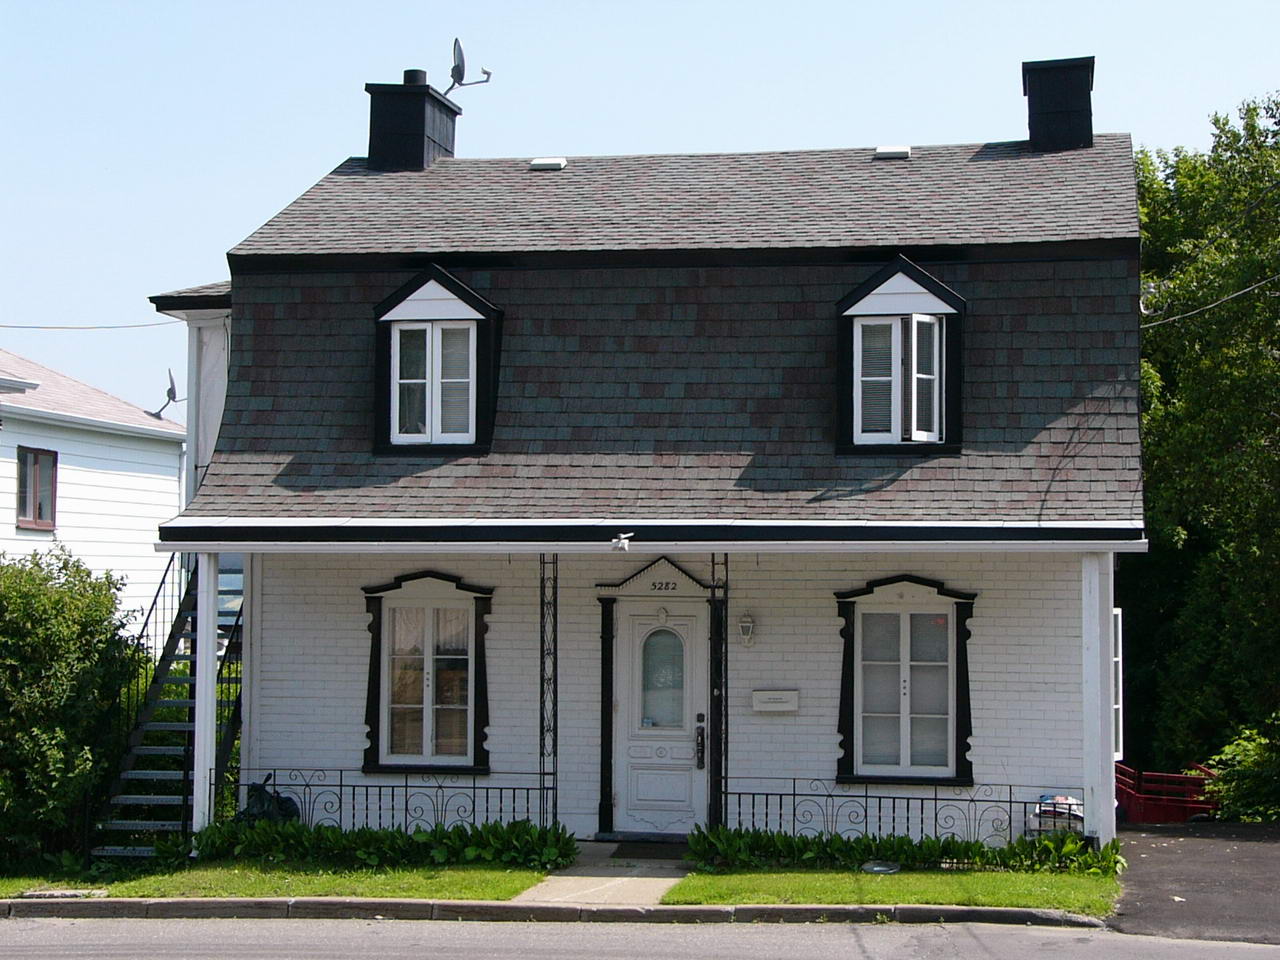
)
(89, 423)
(16, 384)
(666, 546)
(610, 522)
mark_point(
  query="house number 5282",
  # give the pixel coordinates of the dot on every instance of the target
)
(662, 586)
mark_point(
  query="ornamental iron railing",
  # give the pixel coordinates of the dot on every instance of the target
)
(991, 813)
(350, 799)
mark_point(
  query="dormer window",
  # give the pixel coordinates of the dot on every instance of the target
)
(899, 363)
(437, 367)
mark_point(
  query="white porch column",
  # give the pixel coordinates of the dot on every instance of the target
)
(1095, 622)
(206, 710)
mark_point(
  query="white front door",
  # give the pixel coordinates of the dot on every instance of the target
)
(660, 716)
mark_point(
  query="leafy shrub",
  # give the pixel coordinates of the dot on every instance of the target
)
(63, 660)
(1248, 783)
(517, 844)
(722, 848)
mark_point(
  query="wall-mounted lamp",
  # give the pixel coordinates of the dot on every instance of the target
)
(746, 627)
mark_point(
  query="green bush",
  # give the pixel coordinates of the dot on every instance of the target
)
(63, 660)
(517, 844)
(1248, 783)
(721, 848)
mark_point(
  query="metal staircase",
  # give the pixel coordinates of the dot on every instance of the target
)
(151, 795)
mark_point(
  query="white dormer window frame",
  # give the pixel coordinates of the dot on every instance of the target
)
(434, 384)
(899, 325)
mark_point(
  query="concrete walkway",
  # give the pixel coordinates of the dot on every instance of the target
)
(597, 878)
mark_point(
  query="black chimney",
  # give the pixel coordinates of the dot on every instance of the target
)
(1059, 105)
(410, 124)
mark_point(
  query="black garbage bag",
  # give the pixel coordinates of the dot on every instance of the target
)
(264, 803)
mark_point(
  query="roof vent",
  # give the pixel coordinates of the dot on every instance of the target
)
(548, 163)
(893, 153)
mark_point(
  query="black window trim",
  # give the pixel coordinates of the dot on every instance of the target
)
(488, 351)
(847, 724)
(483, 600)
(952, 369)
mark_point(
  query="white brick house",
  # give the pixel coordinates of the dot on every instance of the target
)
(778, 490)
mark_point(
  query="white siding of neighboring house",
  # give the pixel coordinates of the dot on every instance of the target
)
(113, 491)
(308, 661)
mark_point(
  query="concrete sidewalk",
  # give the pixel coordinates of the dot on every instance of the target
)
(598, 878)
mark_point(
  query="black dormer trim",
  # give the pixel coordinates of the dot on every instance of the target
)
(488, 357)
(847, 723)
(483, 603)
(952, 367)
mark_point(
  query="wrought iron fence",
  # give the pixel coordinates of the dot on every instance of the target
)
(351, 799)
(991, 813)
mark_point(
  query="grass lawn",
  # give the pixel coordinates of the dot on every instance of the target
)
(246, 879)
(1077, 893)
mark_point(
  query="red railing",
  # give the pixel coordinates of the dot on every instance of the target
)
(1146, 797)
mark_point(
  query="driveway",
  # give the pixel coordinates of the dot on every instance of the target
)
(1203, 881)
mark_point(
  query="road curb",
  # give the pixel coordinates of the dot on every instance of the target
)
(378, 908)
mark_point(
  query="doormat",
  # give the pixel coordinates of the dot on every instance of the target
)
(649, 850)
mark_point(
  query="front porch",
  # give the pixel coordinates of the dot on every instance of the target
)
(554, 721)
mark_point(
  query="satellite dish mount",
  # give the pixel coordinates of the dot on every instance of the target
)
(458, 72)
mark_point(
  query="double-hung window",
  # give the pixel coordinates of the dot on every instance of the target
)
(904, 697)
(37, 488)
(427, 684)
(433, 398)
(897, 391)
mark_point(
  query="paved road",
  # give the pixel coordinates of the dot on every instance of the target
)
(1210, 881)
(402, 940)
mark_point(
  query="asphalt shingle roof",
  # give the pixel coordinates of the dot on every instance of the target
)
(58, 393)
(958, 194)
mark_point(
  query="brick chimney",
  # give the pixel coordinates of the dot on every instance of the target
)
(1059, 103)
(410, 123)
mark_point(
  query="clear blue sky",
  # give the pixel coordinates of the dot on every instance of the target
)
(143, 140)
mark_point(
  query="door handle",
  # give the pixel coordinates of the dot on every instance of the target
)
(700, 746)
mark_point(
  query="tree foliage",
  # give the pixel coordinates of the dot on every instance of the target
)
(63, 661)
(1203, 609)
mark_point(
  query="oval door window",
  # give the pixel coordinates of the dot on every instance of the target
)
(662, 680)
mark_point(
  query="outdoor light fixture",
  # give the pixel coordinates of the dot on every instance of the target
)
(746, 626)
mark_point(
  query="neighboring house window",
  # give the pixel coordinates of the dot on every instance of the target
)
(427, 706)
(433, 399)
(904, 702)
(437, 365)
(37, 488)
(899, 363)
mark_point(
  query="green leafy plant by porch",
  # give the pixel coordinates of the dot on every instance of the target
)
(63, 660)
(722, 848)
(1248, 783)
(520, 844)
(1078, 893)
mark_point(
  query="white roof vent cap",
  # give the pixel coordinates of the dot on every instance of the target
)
(893, 153)
(548, 163)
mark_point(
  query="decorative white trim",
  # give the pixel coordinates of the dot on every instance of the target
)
(658, 547)
(336, 521)
(431, 301)
(898, 296)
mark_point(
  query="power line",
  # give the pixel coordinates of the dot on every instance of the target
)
(1210, 306)
(104, 326)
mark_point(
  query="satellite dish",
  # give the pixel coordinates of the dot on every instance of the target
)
(458, 72)
(171, 396)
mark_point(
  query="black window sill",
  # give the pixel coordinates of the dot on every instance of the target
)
(897, 449)
(430, 449)
(911, 781)
(470, 769)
